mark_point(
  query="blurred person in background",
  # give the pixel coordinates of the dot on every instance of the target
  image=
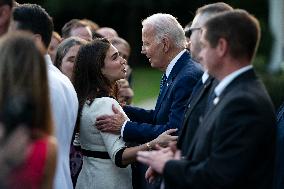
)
(92, 25)
(5, 14)
(25, 101)
(107, 32)
(66, 54)
(124, 50)
(125, 85)
(125, 92)
(76, 27)
(64, 61)
(64, 102)
(187, 33)
(10, 151)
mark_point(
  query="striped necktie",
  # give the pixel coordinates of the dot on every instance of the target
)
(163, 82)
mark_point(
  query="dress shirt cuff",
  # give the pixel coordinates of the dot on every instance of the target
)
(122, 128)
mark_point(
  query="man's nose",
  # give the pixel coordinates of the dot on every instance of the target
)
(143, 51)
(123, 61)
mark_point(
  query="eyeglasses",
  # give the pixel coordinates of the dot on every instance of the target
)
(189, 31)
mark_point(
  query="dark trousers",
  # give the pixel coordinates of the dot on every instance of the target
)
(138, 177)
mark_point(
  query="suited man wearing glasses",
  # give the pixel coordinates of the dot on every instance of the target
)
(198, 102)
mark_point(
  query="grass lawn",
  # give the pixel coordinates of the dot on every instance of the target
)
(146, 83)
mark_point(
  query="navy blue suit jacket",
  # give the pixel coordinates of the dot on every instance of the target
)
(145, 125)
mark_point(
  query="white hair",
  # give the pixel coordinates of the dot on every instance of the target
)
(166, 25)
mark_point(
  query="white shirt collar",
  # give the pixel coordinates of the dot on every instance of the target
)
(205, 76)
(173, 62)
(229, 78)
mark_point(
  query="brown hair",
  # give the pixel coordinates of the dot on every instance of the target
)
(214, 8)
(240, 29)
(56, 36)
(92, 25)
(35, 19)
(118, 40)
(70, 25)
(88, 79)
(23, 71)
(64, 47)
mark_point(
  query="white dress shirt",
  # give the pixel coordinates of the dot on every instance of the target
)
(64, 106)
(205, 76)
(173, 63)
(228, 79)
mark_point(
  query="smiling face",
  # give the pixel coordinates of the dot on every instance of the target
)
(68, 61)
(114, 67)
(153, 48)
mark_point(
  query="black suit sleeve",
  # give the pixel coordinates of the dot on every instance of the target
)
(240, 140)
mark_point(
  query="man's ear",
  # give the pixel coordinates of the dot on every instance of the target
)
(222, 47)
(38, 41)
(5, 13)
(166, 44)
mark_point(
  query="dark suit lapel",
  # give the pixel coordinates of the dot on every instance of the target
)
(176, 69)
(199, 129)
(194, 99)
(240, 79)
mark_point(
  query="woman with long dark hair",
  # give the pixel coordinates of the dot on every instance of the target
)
(97, 68)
